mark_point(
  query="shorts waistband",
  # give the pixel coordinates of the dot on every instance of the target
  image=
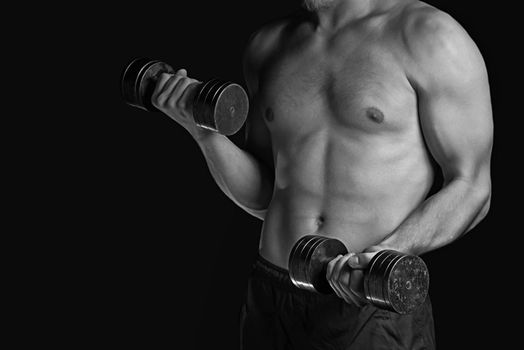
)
(280, 277)
(271, 268)
(277, 274)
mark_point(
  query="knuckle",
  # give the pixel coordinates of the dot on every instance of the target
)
(334, 261)
(336, 270)
(161, 99)
(157, 101)
(171, 102)
(165, 75)
(181, 104)
(154, 101)
(182, 83)
(329, 269)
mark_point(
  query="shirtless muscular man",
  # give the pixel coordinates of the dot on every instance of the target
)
(353, 102)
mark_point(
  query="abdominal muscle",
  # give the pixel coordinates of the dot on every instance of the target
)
(337, 186)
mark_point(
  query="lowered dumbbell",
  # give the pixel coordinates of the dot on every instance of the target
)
(217, 105)
(393, 281)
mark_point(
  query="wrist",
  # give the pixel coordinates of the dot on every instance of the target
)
(200, 134)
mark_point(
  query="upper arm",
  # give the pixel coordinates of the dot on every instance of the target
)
(452, 88)
(257, 136)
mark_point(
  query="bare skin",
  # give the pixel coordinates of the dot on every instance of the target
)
(349, 107)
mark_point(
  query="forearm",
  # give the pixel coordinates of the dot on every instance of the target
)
(442, 218)
(243, 178)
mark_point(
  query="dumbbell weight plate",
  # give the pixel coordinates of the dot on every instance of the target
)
(297, 262)
(293, 262)
(227, 106)
(231, 107)
(377, 276)
(211, 99)
(407, 284)
(306, 258)
(379, 295)
(383, 287)
(302, 258)
(202, 110)
(139, 80)
(369, 278)
(323, 253)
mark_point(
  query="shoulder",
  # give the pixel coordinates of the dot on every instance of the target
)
(271, 38)
(263, 42)
(436, 43)
(427, 30)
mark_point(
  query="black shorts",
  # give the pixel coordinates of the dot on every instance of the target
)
(277, 315)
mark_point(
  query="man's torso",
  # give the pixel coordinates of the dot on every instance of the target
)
(349, 154)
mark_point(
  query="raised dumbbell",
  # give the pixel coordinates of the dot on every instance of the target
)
(393, 281)
(217, 105)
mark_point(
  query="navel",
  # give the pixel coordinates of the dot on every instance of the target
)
(375, 115)
(269, 115)
(320, 220)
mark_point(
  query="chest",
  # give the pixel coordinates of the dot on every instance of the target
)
(359, 89)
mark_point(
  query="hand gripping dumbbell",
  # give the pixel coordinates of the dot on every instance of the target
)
(393, 281)
(217, 105)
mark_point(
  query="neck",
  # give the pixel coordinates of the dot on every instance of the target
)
(340, 12)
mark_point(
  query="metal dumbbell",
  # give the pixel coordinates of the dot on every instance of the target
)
(218, 105)
(393, 281)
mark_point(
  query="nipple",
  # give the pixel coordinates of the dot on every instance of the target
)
(375, 115)
(320, 220)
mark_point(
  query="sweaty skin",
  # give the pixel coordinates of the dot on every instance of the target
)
(352, 106)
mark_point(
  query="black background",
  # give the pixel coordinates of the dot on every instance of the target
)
(150, 253)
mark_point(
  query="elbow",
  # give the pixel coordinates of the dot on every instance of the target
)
(259, 214)
(485, 203)
(480, 192)
(258, 211)
(477, 187)
(259, 206)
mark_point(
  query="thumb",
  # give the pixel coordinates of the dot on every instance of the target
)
(182, 72)
(360, 260)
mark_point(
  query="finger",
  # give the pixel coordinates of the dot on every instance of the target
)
(344, 281)
(331, 266)
(337, 290)
(160, 95)
(176, 98)
(356, 284)
(188, 94)
(164, 77)
(165, 94)
(360, 260)
(356, 299)
(350, 281)
(182, 72)
(329, 276)
(340, 267)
